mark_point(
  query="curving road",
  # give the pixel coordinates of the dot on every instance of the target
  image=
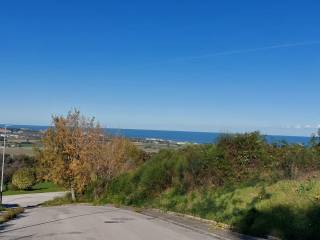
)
(95, 222)
(90, 222)
(31, 199)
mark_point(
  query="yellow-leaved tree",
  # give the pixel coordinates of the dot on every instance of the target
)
(69, 149)
(75, 152)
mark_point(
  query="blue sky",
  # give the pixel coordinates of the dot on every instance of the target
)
(182, 65)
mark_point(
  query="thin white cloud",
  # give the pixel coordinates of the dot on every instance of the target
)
(247, 50)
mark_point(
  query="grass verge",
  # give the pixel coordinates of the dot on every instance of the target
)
(38, 188)
(58, 201)
(7, 214)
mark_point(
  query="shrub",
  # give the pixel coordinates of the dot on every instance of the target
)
(11, 187)
(246, 153)
(14, 163)
(24, 178)
(232, 161)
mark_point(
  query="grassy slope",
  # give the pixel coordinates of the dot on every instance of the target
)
(289, 209)
(38, 188)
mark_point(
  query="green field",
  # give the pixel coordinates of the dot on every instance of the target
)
(38, 188)
(20, 151)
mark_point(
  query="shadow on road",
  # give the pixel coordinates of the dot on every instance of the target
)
(9, 205)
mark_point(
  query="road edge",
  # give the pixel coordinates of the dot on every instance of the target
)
(207, 227)
(10, 213)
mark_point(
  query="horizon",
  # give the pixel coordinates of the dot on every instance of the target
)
(209, 67)
(164, 130)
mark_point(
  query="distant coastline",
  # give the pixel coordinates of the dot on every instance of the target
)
(176, 136)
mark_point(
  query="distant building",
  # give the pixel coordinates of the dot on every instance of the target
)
(2, 130)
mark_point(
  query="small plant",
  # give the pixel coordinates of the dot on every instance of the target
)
(11, 187)
(24, 178)
(8, 214)
(303, 188)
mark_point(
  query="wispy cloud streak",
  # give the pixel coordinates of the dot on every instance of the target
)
(228, 53)
(247, 50)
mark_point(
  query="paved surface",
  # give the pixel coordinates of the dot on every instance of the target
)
(82, 221)
(32, 199)
(93, 222)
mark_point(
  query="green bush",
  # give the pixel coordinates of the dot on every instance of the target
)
(233, 160)
(11, 187)
(24, 178)
(14, 163)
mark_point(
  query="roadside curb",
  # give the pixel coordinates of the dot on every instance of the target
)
(211, 222)
(212, 226)
(215, 229)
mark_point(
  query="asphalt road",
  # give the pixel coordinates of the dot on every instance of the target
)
(31, 199)
(92, 222)
(82, 221)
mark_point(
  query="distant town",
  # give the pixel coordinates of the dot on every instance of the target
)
(20, 141)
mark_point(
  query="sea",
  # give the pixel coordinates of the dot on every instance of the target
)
(178, 136)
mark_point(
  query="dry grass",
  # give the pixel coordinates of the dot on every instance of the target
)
(20, 151)
(10, 213)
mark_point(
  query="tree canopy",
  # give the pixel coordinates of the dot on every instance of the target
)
(76, 153)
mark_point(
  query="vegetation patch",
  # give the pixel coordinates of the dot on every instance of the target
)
(67, 199)
(41, 187)
(24, 178)
(7, 214)
(76, 154)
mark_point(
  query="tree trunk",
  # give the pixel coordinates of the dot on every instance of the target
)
(73, 195)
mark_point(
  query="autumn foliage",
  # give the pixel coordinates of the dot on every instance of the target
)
(24, 178)
(76, 153)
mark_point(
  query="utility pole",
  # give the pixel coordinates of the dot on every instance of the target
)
(3, 157)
